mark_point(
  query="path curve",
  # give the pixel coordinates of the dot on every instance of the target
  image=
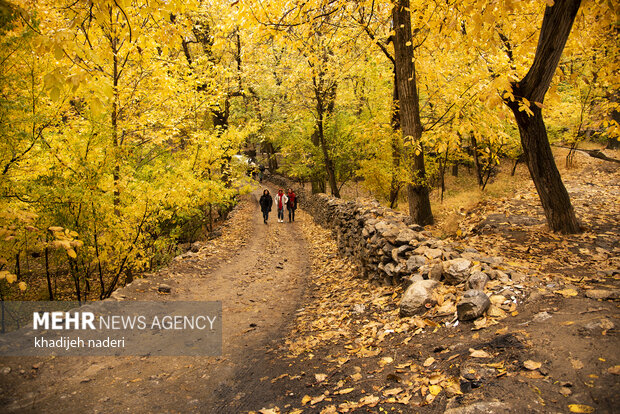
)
(260, 287)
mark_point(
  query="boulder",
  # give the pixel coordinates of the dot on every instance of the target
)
(382, 226)
(433, 253)
(436, 272)
(473, 304)
(395, 255)
(408, 281)
(415, 262)
(405, 236)
(417, 297)
(499, 275)
(456, 271)
(477, 280)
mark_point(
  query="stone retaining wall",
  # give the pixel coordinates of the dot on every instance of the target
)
(389, 249)
(384, 242)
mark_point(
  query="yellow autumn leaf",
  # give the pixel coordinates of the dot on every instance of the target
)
(429, 361)
(568, 292)
(317, 400)
(580, 408)
(22, 286)
(356, 377)
(392, 391)
(434, 389)
(344, 391)
(72, 253)
(385, 361)
(306, 399)
(10, 277)
(370, 400)
(58, 52)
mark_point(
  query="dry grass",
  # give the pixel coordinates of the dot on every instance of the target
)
(463, 194)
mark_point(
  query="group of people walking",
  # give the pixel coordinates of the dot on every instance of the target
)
(282, 201)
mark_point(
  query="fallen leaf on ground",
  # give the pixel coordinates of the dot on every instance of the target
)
(369, 400)
(532, 365)
(270, 411)
(392, 391)
(614, 370)
(577, 364)
(434, 389)
(478, 353)
(344, 391)
(317, 400)
(429, 361)
(386, 360)
(279, 378)
(580, 408)
(320, 377)
(567, 293)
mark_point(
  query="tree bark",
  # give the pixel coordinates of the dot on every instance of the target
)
(396, 146)
(474, 150)
(556, 27)
(418, 193)
(325, 101)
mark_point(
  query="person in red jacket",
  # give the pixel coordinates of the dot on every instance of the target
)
(281, 200)
(292, 204)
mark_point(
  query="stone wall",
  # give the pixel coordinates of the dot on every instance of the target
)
(389, 249)
(384, 242)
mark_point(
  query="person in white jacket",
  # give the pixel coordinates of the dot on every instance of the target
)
(280, 200)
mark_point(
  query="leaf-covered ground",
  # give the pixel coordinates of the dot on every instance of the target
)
(305, 334)
(548, 344)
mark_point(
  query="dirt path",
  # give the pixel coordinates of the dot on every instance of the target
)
(259, 281)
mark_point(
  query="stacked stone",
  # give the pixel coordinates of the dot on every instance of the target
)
(391, 250)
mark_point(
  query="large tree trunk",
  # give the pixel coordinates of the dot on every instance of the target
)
(418, 193)
(396, 146)
(556, 27)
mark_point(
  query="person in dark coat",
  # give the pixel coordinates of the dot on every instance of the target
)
(291, 205)
(266, 201)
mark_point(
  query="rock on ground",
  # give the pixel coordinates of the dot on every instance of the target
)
(473, 304)
(417, 297)
(456, 270)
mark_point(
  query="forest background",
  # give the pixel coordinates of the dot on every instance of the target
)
(126, 124)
